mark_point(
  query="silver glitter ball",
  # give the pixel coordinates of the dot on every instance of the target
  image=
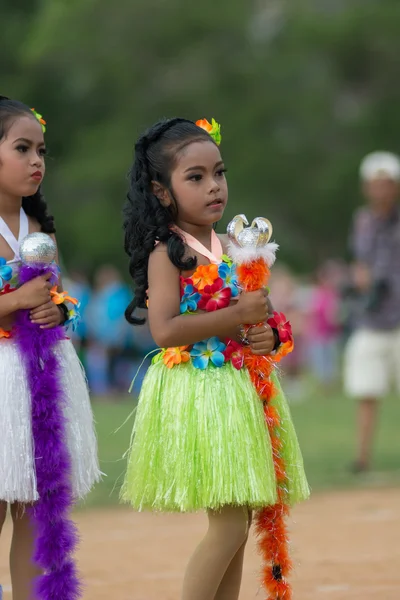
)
(37, 248)
(248, 237)
(256, 236)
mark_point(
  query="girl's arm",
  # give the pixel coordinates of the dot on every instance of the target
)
(169, 328)
(34, 293)
(9, 303)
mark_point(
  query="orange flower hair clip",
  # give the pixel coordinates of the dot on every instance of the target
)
(40, 119)
(213, 129)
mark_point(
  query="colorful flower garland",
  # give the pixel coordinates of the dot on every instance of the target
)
(270, 522)
(252, 268)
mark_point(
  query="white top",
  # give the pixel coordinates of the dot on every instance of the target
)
(10, 238)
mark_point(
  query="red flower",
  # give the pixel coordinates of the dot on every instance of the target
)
(234, 353)
(279, 322)
(7, 289)
(215, 296)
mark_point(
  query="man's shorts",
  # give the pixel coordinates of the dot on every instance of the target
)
(372, 363)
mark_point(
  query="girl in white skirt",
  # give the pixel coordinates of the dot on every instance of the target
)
(23, 210)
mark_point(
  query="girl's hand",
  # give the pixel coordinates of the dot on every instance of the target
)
(253, 307)
(261, 339)
(47, 315)
(34, 293)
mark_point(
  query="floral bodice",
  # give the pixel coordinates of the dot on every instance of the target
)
(211, 287)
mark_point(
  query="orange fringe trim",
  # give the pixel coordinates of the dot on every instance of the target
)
(253, 275)
(270, 521)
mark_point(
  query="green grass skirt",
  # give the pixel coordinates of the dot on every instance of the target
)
(200, 441)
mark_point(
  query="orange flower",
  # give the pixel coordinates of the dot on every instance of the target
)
(175, 356)
(60, 297)
(213, 128)
(4, 333)
(204, 275)
(204, 124)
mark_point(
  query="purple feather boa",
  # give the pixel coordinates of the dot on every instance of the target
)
(56, 534)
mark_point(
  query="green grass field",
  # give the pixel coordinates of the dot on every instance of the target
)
(325, 427)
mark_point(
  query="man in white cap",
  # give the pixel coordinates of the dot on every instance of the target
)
(372, 357)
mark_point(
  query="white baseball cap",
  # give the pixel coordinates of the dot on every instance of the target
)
(380, 165)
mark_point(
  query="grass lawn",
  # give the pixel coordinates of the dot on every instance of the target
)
(325, 427)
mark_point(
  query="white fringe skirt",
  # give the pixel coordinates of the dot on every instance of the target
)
(17, 465)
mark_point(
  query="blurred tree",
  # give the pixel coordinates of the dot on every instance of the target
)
(303, 90)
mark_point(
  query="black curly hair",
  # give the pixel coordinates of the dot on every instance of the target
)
(35, 206)
(145, 219)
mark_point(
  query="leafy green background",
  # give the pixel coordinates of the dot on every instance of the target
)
(303, 90)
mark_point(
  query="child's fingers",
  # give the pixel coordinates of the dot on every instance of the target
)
(262, 332)
(44, 316)
(262, 350)
(262, 347)
(48, 305)
(256, 331)
(47, 321)
(51, 315)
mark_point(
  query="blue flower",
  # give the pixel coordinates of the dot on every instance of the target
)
(5, 272)
(190, 298)
(74, 318)
(211, 349)
(229, 276)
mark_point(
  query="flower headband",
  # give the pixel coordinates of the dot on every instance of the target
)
(40, 119)
(213, 129)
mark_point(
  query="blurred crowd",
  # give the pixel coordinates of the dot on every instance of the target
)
(318, 309)
(110, 349)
